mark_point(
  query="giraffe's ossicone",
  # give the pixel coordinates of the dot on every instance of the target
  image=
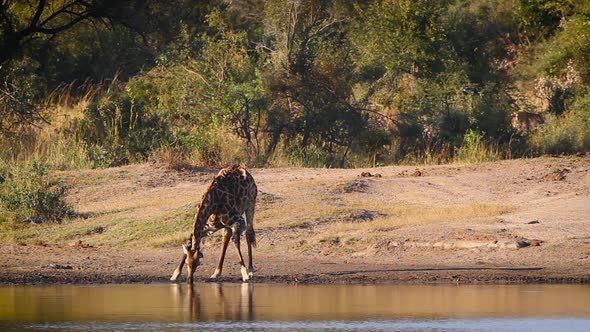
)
(230, 196)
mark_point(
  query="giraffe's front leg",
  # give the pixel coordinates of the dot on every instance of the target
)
(178, 270)
(227, 232)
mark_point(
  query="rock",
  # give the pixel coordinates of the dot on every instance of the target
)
(369, 175)
(522, 244)
(356, 186)
(535, 243)
(557, 175)
(79, 244)
(533, 222)
(60, 267)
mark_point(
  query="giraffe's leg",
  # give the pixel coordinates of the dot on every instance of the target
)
(250, 267)
(226, 237)
(178, 269)
(237, 227)
(250, 234)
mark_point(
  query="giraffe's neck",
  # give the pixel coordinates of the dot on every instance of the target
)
(200, 220)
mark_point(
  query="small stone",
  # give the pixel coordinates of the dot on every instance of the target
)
(60, 267)
(533, 222)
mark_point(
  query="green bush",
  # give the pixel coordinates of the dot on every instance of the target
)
(567, 133)
(563, 134)
(474, 149)
(119, 128)
(28, 193)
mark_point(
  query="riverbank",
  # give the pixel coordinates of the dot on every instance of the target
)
(514, 221)
(33, 265)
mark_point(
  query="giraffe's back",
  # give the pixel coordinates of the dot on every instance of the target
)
(233, 189)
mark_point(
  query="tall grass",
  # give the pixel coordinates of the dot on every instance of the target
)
(57, 142)
(569, 133)
(475, 150)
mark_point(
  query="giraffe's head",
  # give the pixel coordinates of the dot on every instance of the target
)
(192, 258)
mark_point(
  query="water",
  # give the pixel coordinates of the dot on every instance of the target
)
(275, 307)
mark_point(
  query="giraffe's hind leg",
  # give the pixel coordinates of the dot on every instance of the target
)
(250, 234)
(238, 224)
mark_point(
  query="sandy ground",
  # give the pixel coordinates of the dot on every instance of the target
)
(503, 222)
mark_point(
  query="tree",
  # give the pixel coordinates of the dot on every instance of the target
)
(310, 76)
(23, 22)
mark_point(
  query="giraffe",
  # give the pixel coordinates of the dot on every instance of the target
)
(231, 194)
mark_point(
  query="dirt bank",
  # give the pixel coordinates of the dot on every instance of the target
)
(509, 221)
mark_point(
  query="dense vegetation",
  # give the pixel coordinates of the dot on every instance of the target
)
(317, 83)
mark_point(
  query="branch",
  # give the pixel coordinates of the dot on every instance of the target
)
(58, 12)
(385, 116)
(329, 25)
(52, 31)
(4, 17)
(196, 74)
(85, 11)
(38, 12)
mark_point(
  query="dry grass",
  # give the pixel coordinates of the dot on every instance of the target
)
(398, 216)
(159, 219)
(143, 205)
(56, 142)
(173, 158)
(297, 213)
(169, 240)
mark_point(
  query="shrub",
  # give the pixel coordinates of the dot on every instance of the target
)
(119, 128)
(567, 133)
(172, 158)
(28, 193)
(475, 149)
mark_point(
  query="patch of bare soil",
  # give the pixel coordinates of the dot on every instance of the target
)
(516, 221)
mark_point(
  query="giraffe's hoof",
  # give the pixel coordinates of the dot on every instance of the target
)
(250, 273)
(175, 275)
(245, 274)
(215, 274)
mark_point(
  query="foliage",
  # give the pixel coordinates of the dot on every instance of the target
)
(540, 18)
(29, 193)
(328, 83)
(568, 133)
(19, 94)
(474, 149)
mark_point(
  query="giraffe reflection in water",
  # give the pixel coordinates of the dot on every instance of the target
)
(215, 304)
